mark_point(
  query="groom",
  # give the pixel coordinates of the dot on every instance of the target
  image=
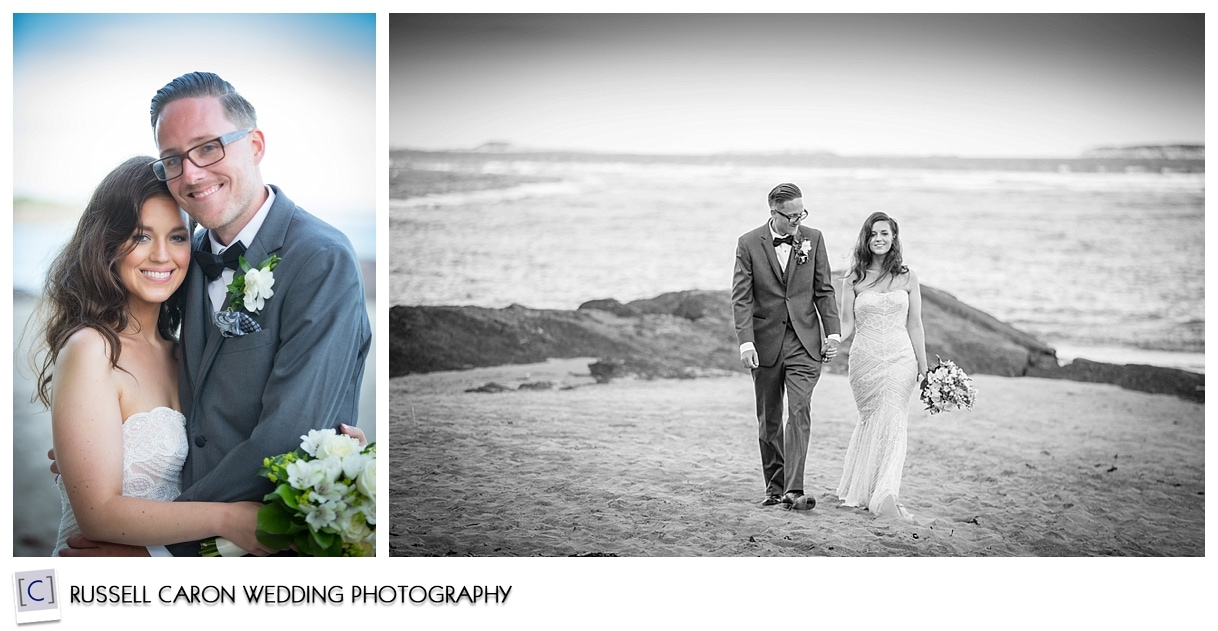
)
(782, 302)
(297, 362)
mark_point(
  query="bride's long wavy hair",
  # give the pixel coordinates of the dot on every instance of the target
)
(82, 288)
(893, 263)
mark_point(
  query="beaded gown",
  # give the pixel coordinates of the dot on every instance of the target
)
(154, 450)
(883, 372)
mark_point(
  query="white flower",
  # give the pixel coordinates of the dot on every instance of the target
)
(352, 464)
(355, 527)
(330, 488)
(304, 474)
(335, 445)
(805, 246)
(365, 482)
(258, 283)
(319, 516)
(310, 441)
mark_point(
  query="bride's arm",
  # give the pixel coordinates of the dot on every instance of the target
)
(913, 323)
(846, 313)
(87, 424)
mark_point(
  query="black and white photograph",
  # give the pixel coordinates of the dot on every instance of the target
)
(807, 285)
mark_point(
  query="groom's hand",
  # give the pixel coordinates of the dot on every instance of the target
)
(749, 358)
(79, 546)
(830, 345)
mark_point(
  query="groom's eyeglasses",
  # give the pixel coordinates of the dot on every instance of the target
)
(203, 155)
(803, 214)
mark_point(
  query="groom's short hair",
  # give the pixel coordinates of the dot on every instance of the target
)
(202, 84)
(782, 193)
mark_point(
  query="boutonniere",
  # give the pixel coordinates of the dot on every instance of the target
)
(801, 251)
(247, 294)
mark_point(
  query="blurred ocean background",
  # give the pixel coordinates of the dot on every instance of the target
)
(1102, 259)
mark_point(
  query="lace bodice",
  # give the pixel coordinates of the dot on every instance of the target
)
(154, 449)
(880, 319)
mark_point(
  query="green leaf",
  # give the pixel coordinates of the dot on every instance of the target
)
(286, 494)
(274, 541)
(270, 263)
(325, 544)
(274, 519)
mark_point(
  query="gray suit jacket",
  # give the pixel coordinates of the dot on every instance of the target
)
(246, 398)
(764, 299)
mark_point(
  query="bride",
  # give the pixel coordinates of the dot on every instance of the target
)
(108, 373)
(882, 307)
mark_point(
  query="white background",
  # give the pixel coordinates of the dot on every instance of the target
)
(808, 593)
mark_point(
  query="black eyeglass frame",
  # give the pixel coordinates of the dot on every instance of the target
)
(803, 214)
(158, 166)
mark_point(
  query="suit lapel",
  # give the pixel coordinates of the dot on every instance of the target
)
(198, 315)
(767, 245)
(791, 263)
(269, 239)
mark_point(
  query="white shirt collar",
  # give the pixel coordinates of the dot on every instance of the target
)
(250, 230)
(779, 236)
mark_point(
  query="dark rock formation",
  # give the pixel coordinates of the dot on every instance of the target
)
(1184, 384)
(690, 333)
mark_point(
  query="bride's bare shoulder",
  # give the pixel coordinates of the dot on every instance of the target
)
(87, 347)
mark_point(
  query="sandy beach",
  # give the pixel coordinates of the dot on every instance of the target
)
(670, 468)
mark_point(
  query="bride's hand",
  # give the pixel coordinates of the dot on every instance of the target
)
(242, 522)
(354, 432)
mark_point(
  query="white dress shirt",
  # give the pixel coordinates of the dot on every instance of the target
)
(218, 289)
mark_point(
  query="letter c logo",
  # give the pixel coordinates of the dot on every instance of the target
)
(29, 591)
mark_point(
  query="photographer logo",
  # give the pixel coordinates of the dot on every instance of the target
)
(36, 597)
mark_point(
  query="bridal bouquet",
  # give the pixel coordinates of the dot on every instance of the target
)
(945, 386)
(324, 501)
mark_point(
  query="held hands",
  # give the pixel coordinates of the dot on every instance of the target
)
(830, 349)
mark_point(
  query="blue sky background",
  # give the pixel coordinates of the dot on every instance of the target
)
(82, 86)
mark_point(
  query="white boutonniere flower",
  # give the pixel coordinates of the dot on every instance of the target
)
(247, 295)
(251, 286)
(258, 284)
(801, 253)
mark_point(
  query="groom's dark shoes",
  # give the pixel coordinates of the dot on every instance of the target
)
(771, 500)
(796, 500)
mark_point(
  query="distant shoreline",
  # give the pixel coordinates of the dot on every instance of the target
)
(1101, 161)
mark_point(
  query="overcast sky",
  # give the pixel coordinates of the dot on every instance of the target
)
(968, 85)
(82, 86)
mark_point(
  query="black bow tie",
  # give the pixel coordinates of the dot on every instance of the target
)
(213, 264)
(789, 240)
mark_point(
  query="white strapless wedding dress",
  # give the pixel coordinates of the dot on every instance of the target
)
(154, 450)
(883, 373)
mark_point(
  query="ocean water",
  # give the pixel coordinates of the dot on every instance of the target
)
(1105, 262)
